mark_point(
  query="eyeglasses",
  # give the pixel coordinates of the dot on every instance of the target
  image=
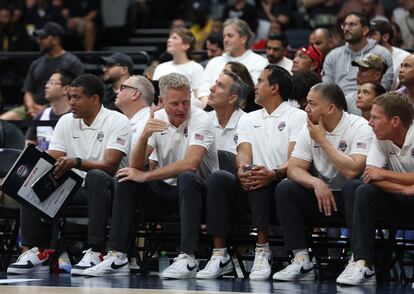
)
(53, 82)
(351, 25)
(123, 87)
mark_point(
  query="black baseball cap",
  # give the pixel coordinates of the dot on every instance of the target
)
(50, 29)
(120, 59)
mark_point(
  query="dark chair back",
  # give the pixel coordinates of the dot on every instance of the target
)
(11, 136)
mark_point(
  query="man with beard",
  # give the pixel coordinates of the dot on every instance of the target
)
(337, 67)
(277, 49)
(54, 57)
(117, 69)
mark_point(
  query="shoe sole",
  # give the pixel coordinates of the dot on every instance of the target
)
(224, 272)
(177, 276)
(309, 277)
(108, 274)
(77, 272)
(25, 271)
(259, 278)
(370, 282)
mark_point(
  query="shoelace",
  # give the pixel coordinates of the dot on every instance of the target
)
(88, 254)
(177, 264)
(259, 262)
(109, 254)
(209, 266)
(350, 268)
(290, 267)
(26, 253)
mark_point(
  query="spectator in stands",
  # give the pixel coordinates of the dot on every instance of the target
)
(265, 140)
(384, 194)
(366, 95)
(82, 17)
(322, 39)
(57, 94)
(13, 35)
(183, 140)
(180, 43)
(332, 148)
(406, 76)
(337, 65)
(92, 140)
(370, 69)
(308, 58)
(382, 32)
(242, 9)
(277, 48)
(277, 11)
(369, 8)
(302, 82)
(134, 99)
(355, 6)
(238, 68)
(237, 38)
(225, 98)
(41, 12)
(201, 24)
(319, 13)
(54, 57)
(117, 68)
(214, 46)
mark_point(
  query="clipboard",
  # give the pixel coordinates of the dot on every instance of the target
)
(33, 164)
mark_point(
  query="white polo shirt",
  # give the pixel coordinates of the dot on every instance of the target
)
(138, 122)
(226, 138)
(270, 134)
(109, 130)
(352, 135)
(386, 153)
(171, 145)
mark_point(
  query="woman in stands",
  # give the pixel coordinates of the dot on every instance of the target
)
(366, 94)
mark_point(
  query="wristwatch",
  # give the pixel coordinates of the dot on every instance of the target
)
(78, 162)
(279, 174)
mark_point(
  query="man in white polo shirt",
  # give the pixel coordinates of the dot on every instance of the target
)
(385, 195)
(237, 37)
(183, 139)
(134, 99)
(225, 98)
(265, 139)
(335, 144)
(92, 140)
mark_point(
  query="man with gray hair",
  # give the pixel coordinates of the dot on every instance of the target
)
(225, 98)
(183, 140)
(134, 99)
(237, 37)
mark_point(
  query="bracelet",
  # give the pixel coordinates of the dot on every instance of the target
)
(78, 162)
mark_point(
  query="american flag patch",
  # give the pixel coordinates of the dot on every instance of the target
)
(199, 137)
(361, 145)
(120, 141)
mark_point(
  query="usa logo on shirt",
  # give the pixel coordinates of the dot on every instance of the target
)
(412, 152)
(281, 126)
(199, 137)
(236, 138)
(343, 145)
(100, 136)
(186, 132)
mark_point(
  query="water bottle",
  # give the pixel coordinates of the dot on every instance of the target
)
(163, 261)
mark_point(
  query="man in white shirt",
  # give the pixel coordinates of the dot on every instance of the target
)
(385, 194)
(265, 139)
(277, 48)
(134, 99)
(92, 140)
(225, 98)
(183, 139)
(382, 32)
(334, 144)
(237, 37)
(406, 77)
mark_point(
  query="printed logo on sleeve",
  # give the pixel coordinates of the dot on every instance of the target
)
(120, 141)
(361, 145)
(199, 137)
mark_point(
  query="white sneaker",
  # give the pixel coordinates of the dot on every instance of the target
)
(31, 261)
(296, 271)
(90, 259)
(183, 267)
(133, 265)
(217, 266)
(261, 269)
(356, 273)
(114, 264)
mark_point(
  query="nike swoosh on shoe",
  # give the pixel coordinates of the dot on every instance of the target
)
(117, 266)
(191, 268)
(304, 271)
(224, 264)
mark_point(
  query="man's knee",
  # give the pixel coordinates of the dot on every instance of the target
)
(284, 191)
(186, 178)
(97, 176)
(366, 194)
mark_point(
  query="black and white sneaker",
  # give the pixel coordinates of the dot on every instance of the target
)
(89, 259)
(31, 261)
(183, 267)
(114, 264)
(298, 270)
(217, 266)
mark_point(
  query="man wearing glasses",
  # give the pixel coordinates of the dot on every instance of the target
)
(337, 66)
(265, 140)
(117, 68)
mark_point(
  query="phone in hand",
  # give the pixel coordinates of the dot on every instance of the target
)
(249, 167)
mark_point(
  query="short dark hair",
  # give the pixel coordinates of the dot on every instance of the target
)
(333, 93)
(238, 88)
(279, 37)
(279, 75)
(302, 82)
(216, 38)
(378, 89)
(396, 104)
(66, 76)
(362, 19)
(91, 84)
